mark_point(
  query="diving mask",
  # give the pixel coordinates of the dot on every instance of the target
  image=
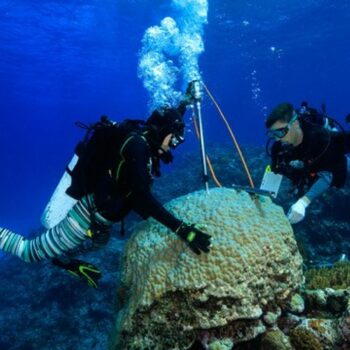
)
(279, 133)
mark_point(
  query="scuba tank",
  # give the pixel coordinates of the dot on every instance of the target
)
(95, 157)
(65, 196)
(60, 202)
(318, 117)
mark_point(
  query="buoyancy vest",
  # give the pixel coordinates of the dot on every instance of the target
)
(99, 154)
(320, 150)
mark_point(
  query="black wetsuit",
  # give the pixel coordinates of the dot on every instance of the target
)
(320, 151)
(131, 188)
(125, 189)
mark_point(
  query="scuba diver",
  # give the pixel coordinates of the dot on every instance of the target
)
(310, 150)
(112, 177)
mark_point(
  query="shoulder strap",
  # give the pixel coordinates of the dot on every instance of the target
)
(129, 137)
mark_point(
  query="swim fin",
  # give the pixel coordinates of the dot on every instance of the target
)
(84, 270)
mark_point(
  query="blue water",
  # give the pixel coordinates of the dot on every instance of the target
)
(69, 60)
(62, 61)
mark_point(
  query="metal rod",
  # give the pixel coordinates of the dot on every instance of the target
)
(202, 145)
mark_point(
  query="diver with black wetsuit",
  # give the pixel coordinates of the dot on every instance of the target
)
(123, 188)
(311, 155)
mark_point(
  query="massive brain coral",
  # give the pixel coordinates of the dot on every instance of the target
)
(170, 296)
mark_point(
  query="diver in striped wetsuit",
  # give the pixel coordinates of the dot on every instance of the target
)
(124, 187)
(62, 239)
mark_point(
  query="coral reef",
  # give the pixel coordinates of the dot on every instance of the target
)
(323, 302)
(275, 339)
(344, 326)
(42, 296)
(296, 304)
(174, 294)
(271, 317)
(223, 344)
(315, 334)
(336, 277)
(303, 339)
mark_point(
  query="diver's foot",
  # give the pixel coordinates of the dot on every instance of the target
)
(81, 269)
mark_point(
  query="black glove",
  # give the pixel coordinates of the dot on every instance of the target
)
(188, 98)
(189, 90)
(194, 91)
(195, 239)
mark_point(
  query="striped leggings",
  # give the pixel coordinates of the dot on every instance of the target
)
(63, 238)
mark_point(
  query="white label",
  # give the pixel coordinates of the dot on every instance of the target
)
(271, 182)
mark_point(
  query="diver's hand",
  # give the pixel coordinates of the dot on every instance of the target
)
(197, 240)
(190, 89)
(296, 212)
(193, 92)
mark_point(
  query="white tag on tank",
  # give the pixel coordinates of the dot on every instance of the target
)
(271, 182)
